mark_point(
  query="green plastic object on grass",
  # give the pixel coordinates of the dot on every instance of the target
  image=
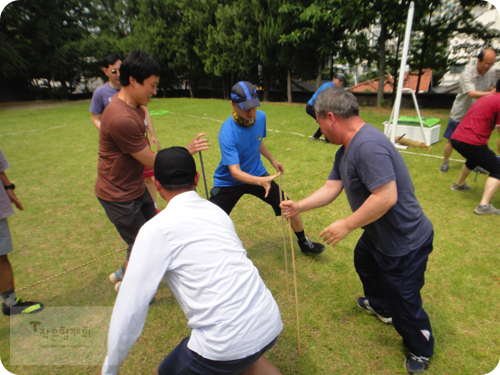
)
(160, 112)
(428, 122)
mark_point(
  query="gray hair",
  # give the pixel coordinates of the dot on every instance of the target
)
(341, 103)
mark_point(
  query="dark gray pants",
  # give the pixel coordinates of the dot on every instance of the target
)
(128, 217)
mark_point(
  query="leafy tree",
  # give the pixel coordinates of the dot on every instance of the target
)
(231, 42)
(325, 29)
(43, 42)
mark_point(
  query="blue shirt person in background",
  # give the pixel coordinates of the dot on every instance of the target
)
(338, 81)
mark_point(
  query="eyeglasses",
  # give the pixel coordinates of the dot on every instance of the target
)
(114, 71)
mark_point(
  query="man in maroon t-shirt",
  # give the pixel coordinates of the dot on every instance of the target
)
(471, 138)
(124, 152)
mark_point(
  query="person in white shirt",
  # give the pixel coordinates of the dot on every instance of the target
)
(193, 245)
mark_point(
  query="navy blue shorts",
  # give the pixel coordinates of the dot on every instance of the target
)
(450, 128)
(183, 361)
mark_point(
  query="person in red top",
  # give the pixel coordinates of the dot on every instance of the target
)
(471, 138)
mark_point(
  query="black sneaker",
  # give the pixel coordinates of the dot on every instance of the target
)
(309, 247)
(22, 307)
(416, 365)
(365, 305)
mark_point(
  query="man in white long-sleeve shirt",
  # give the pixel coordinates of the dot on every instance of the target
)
(194, 246)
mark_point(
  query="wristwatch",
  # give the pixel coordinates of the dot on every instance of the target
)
(11, 186)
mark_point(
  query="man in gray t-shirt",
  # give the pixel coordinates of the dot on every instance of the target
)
(11, 305)
(475, 82)
(391, 255)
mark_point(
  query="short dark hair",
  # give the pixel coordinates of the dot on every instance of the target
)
(498, 85)
(481, 55)
(111, 59)
(139, 65)
(341, 103)
(186, 186)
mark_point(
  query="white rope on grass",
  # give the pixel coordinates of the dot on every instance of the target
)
(34, 130)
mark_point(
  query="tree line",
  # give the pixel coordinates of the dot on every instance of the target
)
(216, 42)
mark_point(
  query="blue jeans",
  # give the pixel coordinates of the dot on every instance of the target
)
(392, 286)
(183, 361)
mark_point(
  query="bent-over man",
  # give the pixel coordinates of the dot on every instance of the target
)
(391, 255)
(192, 244)
(471, 141)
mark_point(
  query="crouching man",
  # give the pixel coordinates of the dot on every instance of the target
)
(194, 246)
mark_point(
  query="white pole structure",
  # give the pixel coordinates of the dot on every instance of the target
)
(399, 94)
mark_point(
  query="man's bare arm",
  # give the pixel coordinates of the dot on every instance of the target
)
(320, 198)
(474, 94)
(145, 157)
(377, 204)
(241, 176)
(151, 129)
(264, 151)
(96, 119)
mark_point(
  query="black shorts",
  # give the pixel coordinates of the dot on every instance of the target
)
(226, 197)
(128, 217)
(478, 155)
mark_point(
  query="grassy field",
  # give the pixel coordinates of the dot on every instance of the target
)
(65, 247)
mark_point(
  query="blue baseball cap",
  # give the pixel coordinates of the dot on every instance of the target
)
(244, 95)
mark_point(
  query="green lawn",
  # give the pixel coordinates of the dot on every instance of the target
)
(65, 247)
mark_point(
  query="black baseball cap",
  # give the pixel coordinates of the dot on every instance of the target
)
(174, 166)
(245, 95)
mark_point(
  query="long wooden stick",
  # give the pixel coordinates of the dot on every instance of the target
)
(203, 170)
(294, 281)
(284, 236)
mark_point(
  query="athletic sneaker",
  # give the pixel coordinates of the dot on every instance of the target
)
(365, 305)
(117, 286)
(22, 307)
(116, 276)
(461, 187)
(486, 210)
(481, 170)
(416, 365)
(313, 138)
(309, 247)
(445, 167)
